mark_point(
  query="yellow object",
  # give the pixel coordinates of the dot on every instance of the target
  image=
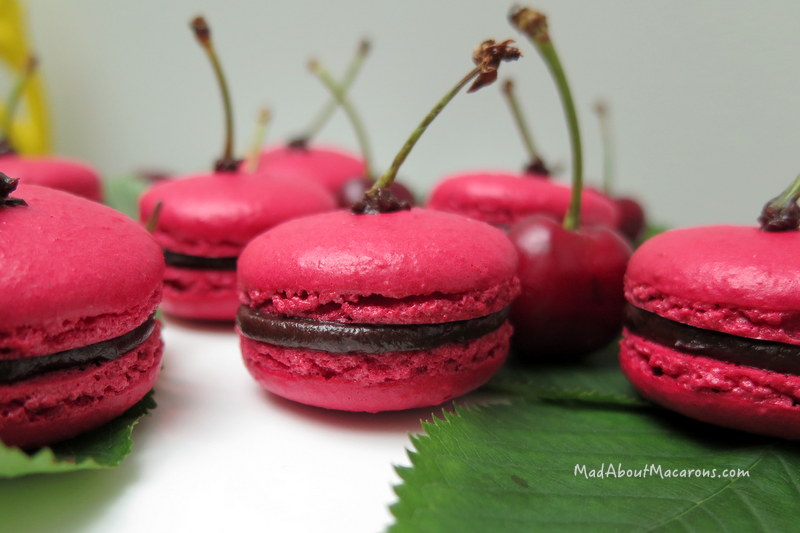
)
(30, 131)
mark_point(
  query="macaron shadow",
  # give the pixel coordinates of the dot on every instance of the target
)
(406, 421)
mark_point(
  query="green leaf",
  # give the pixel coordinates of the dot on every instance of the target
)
(513, 468)
(597, 379)
(123, 193)
(103, 447)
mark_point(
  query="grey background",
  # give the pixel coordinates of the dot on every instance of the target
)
(703, 94)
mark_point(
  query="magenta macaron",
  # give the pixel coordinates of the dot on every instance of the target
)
(78, 342)
(376, 312)
(331, 167)
(205, 222)
(501, 199)
(713, 326)
(57, 172)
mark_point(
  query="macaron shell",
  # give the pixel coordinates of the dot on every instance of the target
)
(215, 215)
(74, 273)
(734, 396)
(61, 404)
(377, 382)
(57, 172)
(340, 256)
(734, 279)
(200, 294)
(503, 198)
(329, 166)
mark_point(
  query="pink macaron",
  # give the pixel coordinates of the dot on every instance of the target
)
(57, 172)
(205, 222)
(376, 312)
(713, 326)
(329, 166)
(502, 199)
(78, 342)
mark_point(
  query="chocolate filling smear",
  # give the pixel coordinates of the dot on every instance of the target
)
(100, 352)
(198, 262)
(336, 337)
(766, 355)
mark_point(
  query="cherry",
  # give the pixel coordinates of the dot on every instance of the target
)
(572, 298)
(572, 294)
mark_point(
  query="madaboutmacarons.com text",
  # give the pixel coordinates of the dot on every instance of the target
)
(620, 471)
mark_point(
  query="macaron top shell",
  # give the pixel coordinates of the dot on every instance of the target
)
(352, 260)
(503, 198)
(735, 279)
(68, 263)
(217, 214)
(56, 172)
(331, 167)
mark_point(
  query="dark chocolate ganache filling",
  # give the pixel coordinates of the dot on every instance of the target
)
(198, 262)
(336, 337)
(766, 355)
(18, 369)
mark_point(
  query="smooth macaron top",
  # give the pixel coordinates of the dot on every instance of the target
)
(66, 260)
(332, 167)
(217, 214)
(416, 266)
(503, 198)
(735, 279)
(56, 172)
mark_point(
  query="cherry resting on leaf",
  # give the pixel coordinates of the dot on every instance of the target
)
(572, 299)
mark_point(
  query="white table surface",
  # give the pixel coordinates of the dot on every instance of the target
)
(221, 454)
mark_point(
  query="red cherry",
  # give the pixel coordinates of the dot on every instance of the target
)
(572, 298)
(353, 191)
(632, 218)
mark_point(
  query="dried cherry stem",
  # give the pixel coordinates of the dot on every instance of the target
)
(487, 56)
(259, 134)
(326, 112)
(14, 97)
(534, 25)
(7, 186)
(782, 212)
(607, 140)
(341, 99)
(226, 163)
(522, 126)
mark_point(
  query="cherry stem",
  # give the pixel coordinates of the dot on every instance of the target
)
(534, 25)
(14, 97)
(352, 71)
(607, 140)
(259, 134)
(341, 99)
(203, 34)
(519, 120)
(388, 177)
(152, 220)
(782, 212)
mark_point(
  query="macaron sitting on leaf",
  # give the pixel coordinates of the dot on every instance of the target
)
(383, 307)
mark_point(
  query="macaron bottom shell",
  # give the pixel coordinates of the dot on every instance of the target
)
(734, 396)
(377, 382)
(62, 404)
(200, 294)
